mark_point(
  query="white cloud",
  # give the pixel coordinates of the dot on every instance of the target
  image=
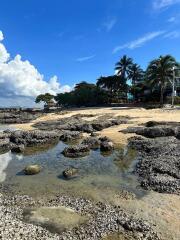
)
(172, 35)
(139, 42)
(161, 4)
(1, 36)
(83, 59)
(20, 78)
(110, 24)
(172, 19)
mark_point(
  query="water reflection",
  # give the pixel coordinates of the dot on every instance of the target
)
(4, 162)
(96, 172)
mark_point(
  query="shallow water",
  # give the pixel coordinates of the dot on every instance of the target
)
(55, 219)
(99, 176)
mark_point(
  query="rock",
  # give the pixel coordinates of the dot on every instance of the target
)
(92, 142)
(158, 165)
(4, 142)
(151, 124)
(77, 123)
(31, 138)
(70, 135)
(12, 116)
(32, 169)
(93, 134)
(106, 146)
(105, 139)
(18, 148)
(76, 151)
(70, 172)
(152, 132)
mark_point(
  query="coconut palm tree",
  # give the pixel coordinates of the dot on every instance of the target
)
(160, 72)
(136, 75)
(122, 67)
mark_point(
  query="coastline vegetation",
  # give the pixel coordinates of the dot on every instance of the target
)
(130, 83)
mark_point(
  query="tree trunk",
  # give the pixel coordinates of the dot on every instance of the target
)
(162, 96)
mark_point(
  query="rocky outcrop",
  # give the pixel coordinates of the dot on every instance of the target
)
(76, 151)
(158, 167)
(106, 144)
(77, 123)
(17, 148)
(92, 142)
(12, 116)
(5, 144)
(155, 131)
(31, 138)
(67, 135)
(18, 140)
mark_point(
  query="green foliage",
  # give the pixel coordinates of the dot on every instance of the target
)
(160, 72)
(46, 98)
(84, 94)
(149, 86)
(115, 86)
(123, 67)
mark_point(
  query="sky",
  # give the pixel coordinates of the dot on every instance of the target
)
(49, 46)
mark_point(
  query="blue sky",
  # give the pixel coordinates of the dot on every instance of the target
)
(80, 40)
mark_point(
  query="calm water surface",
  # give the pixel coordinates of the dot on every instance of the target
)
(99, 176)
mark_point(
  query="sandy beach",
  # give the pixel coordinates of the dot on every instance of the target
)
(138, 116)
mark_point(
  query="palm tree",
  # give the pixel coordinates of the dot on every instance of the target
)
(160, 72)
(136, 75)
(122, 67)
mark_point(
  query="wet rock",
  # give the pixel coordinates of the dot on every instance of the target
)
(32, 169)
(92, 142)
(70, 172)
(4, 142)
(31, 138)
(106, 146)
(18, 148)
(70, 135)
(76, 151)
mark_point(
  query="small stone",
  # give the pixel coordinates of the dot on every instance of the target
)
(32, 169)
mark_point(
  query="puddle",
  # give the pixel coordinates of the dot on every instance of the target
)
(55, 219)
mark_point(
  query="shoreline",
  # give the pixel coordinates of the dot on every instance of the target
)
(161, 209)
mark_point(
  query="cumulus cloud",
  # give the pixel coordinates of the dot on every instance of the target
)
(139, 41)
(19, 78)
(161, 4)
